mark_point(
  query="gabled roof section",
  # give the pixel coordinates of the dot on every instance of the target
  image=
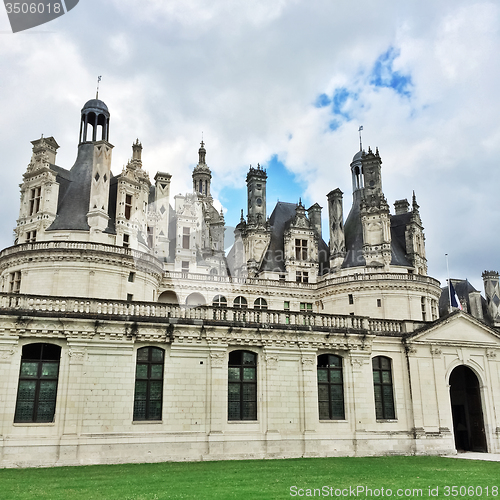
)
(458, 328)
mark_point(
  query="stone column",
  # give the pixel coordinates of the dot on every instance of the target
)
(309, 410)
(218, 400)
(336, 223)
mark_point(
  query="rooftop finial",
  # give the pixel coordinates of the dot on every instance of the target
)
(360, 143)
(99, 78)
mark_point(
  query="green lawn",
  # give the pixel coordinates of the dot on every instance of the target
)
(253, 479)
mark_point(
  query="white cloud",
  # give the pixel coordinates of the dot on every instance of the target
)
(247, 74)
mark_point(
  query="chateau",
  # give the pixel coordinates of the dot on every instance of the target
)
(129, 334)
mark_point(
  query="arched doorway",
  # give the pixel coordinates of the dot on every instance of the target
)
(466, 407)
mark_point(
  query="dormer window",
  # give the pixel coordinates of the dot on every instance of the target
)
(35, 197)
(300, 249)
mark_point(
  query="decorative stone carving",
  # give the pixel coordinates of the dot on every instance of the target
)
(77, 356)
(217, 359)
(6, 354)
(308, 362)
(491, 354)
(358, 361)
(272, 361)
(436, 351)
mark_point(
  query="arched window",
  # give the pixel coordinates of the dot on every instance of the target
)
(148, 383)
(330, 387)
(242, 386)
(240, 302)
(219, 301)
(260, 303)
(37, 391)
(382, 384)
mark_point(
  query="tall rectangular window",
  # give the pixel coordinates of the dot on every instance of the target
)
(382, 383)
(35, 197)
(148, 394)
(185, 237)
(15, 282)
(185, 266)
(300, 249)
(150, 237)
(242, 386)
(330, 387)
(351, 299)
(128, 206)
(126, 240)
(422, 306)
(38, 377)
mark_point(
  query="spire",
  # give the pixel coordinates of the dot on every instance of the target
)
(97, 91)
(415, 205)
(201, 153)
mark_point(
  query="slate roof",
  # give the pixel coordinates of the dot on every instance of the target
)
(353, 231)
(279, 221)
(74, 193)
(463, 288)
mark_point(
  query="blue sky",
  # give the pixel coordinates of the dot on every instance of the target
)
(290, 80)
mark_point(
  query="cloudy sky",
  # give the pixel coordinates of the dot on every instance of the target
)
(283, 83)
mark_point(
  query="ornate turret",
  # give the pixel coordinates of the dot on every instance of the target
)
(492, 292)
(256, 188)
(94, 124)
(201, 174)
(336, 224)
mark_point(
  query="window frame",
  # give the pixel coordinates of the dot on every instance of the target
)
(240, 302)
(35, 198)
(186, 234)
(128, 206)
(385, 407)
(39, 378)
(15, 278)
(302, 276)
(260, 304)
(245, 413)
(219, 301)
(300, 249)
(324, 364)
(150, 362)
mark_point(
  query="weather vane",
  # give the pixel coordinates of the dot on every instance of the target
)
(97, 91)
(360, 144)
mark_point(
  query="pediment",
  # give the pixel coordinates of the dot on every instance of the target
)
(461, 329)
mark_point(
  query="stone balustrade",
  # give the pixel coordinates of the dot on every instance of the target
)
(19, 304)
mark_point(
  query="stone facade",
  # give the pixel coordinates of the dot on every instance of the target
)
(128, 335)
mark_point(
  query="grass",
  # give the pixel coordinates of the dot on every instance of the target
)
(251, 479)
